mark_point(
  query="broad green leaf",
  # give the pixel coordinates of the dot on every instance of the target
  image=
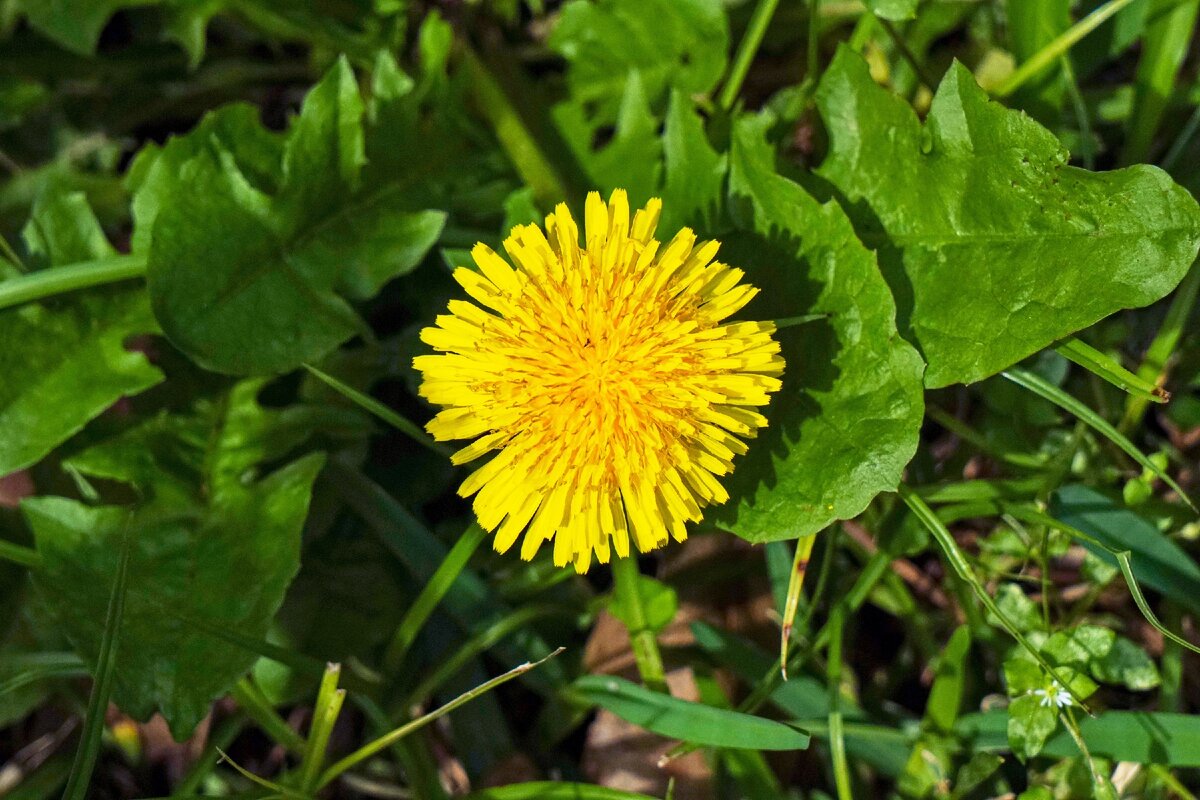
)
(74, 24)
(234, 129)
(846, 421)
(225, 288)
(226, 564)
(894, 10)
(670, 43)
(72, 361)
(252, 240)
(1158, 562)
(681, 719)
(324, 153)
(659, 604)
(1030, 724)
(983, 192)
(694, 186)
(1127, 665)
(1172, 740)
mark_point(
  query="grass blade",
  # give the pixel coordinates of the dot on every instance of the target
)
(682, 719)
(432, 593)
(373, 406)
(1102, 366)
(477, 644)
(1059, 46)
(1165, 43)
(105, 677)
(837, 733)
(1049, 391)
(325, 715)
(804, 548)
(386, 741)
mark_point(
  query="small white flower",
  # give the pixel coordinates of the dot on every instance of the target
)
(1054, 695)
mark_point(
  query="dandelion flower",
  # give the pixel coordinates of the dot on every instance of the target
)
(603, 380)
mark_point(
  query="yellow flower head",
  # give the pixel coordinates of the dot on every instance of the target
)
(603, 379)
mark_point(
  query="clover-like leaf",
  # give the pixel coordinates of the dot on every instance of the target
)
(992, 244)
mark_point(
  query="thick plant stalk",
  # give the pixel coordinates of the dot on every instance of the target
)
(641, 636)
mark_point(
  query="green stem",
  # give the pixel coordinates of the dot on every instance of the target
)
(439, 583)
(60, 280)
(814, 58)
(531, 163)
(837, 735)
(1058, 47)
(25, 556)
(755, 31)
(1086, 145)
(641, 636)
(907, 54)
(257, 707)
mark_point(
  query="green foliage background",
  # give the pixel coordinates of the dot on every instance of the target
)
(224, 222)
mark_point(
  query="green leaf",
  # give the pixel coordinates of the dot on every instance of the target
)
(972, 774)
(1141, 737)
(1158, 562)
(324, 152)
(72, 362)
(632, 160)
(104, 675)
(210, 523)
(946, 694)
(1128, 665)
(1078, 646)
(694, 188)
(226, 564)
(1017, 607)
(681, 719)
(658, 606)
(894, 10)
(153, 178)
(852, 401)
(74, 24)
(1030, 724)
(986, 192)
(678, 44)
(251, 240)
